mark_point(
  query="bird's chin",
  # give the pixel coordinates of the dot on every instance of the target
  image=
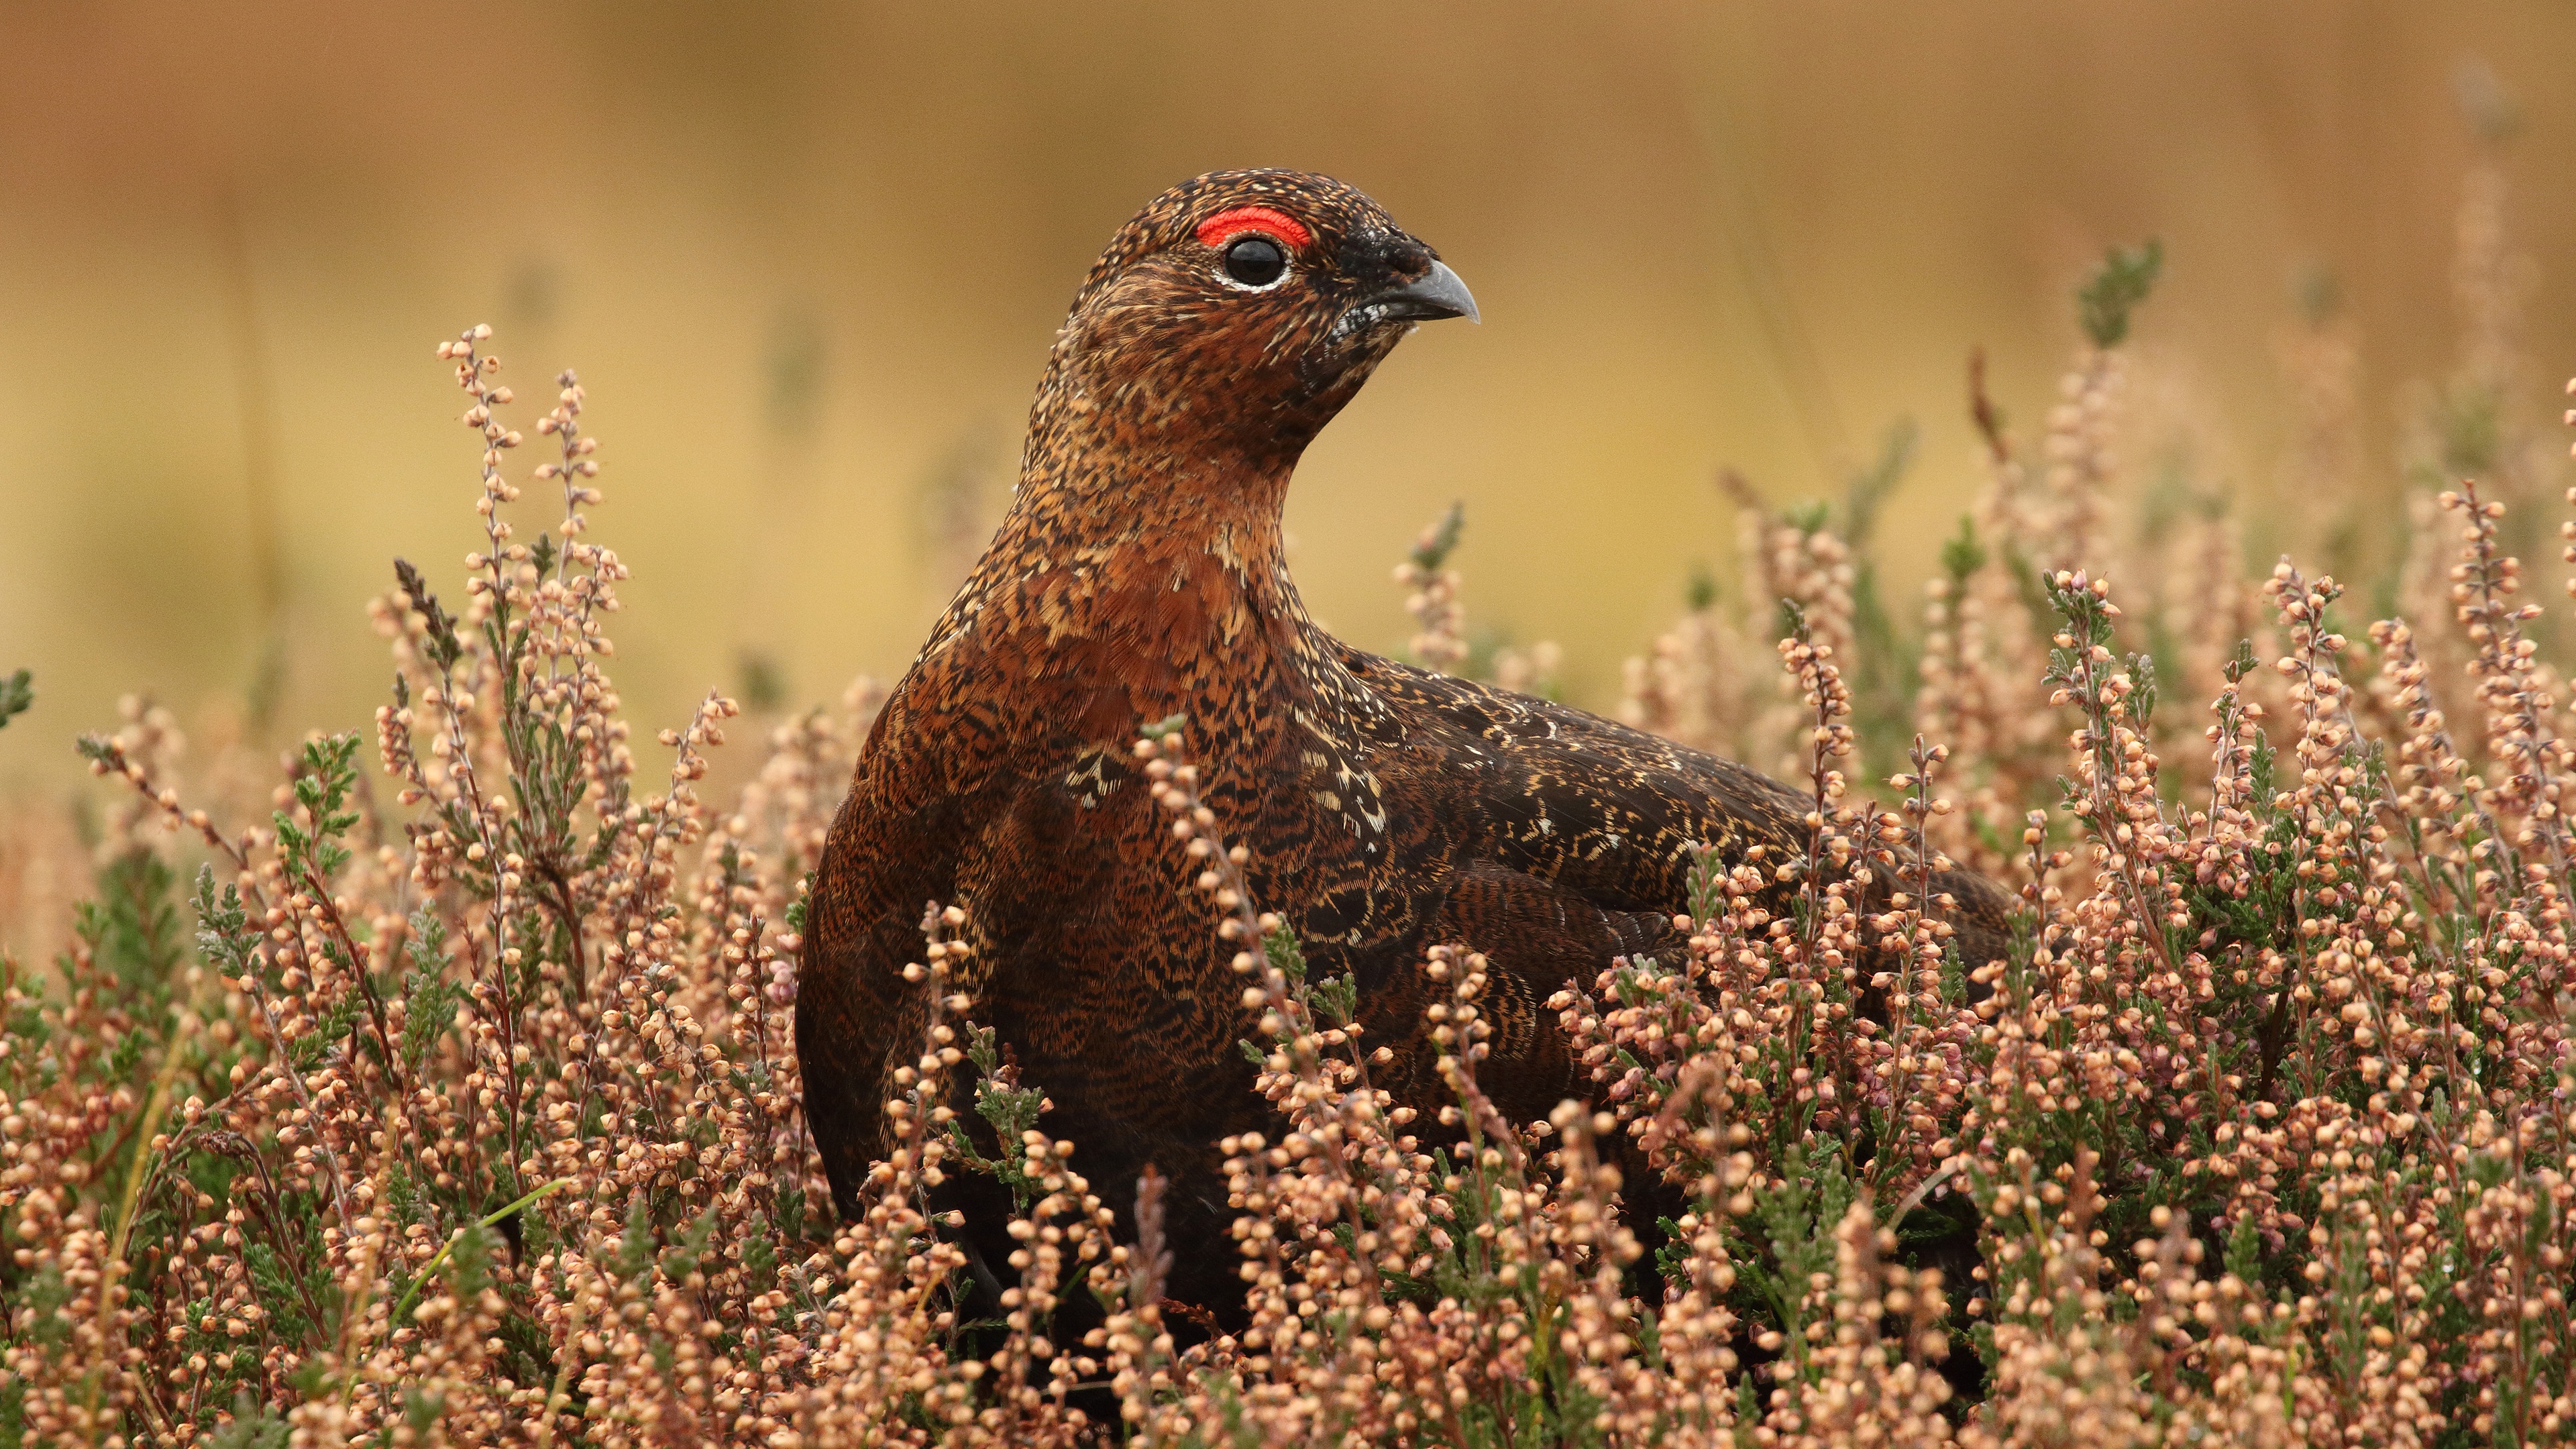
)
(1336, 371)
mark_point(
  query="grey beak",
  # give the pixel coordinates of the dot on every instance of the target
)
(1438, 295)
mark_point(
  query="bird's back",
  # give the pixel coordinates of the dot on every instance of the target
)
(1385, 809)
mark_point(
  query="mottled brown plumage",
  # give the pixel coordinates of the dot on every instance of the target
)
(1139, 574)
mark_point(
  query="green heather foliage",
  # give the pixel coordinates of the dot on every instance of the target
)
(2126, 276)
(457, 1102)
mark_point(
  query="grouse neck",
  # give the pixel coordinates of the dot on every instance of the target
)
(1136, 506)
(1130, 576)
(1123, 558)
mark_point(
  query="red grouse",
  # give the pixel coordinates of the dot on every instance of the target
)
(1140, 574)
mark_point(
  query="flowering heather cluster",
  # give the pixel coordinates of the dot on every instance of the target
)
(1432, 600)
(458, 1102)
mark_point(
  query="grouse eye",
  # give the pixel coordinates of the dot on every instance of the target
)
(1255, 261)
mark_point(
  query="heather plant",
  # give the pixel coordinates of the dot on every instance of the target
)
(456, 1099)
(1441, 642)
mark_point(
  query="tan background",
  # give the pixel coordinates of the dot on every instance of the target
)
(808, 258)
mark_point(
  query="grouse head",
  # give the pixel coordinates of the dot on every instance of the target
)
(1233, 317)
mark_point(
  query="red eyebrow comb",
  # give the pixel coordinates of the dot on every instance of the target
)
(1217, 229)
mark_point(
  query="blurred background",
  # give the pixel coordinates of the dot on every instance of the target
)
(808, 259)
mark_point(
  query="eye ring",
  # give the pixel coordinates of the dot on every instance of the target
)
(1254, 261)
